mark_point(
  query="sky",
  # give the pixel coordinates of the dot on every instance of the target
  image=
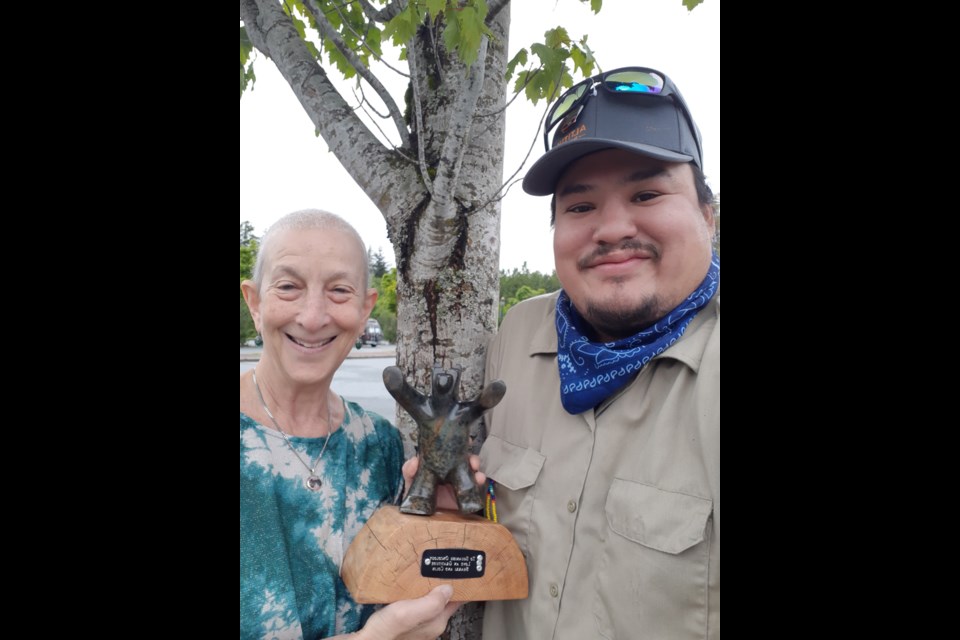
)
(284, 166)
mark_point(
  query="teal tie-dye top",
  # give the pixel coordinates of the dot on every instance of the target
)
(292, 540)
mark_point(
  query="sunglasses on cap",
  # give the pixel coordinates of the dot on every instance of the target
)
(623, 81)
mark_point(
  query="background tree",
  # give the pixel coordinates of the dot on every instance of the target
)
(385, 311)
(511, 281)
(520, 284)
(716, 206)
(378, 264)
(249, 244)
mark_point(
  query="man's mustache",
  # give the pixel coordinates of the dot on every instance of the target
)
(628, 246)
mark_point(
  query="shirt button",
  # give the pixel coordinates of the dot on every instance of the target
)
(572, 506)
(554, 590)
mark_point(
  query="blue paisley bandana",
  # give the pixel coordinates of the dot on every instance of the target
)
(592, 371)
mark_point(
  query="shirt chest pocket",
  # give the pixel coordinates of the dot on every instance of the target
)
(515, 470)
(663, 520)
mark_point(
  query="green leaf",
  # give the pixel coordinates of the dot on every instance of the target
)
(298, 25)
(402, 27)
(596, 4)
(373, 40)
(578, 58)
(521, 80)
(337, 58)
(245, 46)
(435, 7)
(519, 59)
(451, 35)
(471, 30)
(534, 91)
(332, 16)
(557, 37)
(691, 4)
(541, 85)
(550, 58)
(247, 78)
(582, 59)
(302, 10)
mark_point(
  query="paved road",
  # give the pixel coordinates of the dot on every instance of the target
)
(382, 350)
(359, 378)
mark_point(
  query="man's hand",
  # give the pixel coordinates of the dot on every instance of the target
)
(445, 496)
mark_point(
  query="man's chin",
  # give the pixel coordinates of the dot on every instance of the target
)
(619, 320)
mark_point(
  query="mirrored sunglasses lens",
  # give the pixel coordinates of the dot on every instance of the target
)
(564, 105)
(634, 82)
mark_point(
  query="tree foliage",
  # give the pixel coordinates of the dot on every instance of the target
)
(378, 264)
(385, 311)
(247, 77)
(249, 245)
(520, 284)
(347, 33)
(716, 208)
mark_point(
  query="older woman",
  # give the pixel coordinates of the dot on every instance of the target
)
(313, 467)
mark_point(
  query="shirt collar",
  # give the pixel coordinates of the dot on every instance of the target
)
(688, 349)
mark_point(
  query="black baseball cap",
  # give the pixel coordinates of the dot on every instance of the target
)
(633, 108)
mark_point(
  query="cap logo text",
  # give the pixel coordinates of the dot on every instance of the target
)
(573, 135)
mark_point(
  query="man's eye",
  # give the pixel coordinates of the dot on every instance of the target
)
(580, 208)
(646, 195)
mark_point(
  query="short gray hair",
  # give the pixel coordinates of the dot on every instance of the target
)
(304, 220)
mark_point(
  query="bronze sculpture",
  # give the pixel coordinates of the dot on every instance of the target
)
(444, 437)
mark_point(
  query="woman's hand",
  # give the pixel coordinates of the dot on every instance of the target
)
(419, 619)
(445, 496)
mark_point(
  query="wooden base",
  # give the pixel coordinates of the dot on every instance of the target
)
(385, 561)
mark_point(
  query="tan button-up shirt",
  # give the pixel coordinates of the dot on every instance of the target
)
(617, 509)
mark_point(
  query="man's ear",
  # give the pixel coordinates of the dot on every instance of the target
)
(710, 217)
(251, 295)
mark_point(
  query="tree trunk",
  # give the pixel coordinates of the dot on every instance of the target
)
(448, 248)
(447, 309)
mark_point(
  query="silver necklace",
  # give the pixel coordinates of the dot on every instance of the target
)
(312, 482)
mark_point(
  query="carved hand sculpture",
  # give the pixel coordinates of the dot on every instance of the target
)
(444, 426)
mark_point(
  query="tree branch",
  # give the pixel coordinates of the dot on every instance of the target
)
(455, 143)
(327, 31)
(249, 13)
(363, 42)
(382, 15)
(371, 164)
(494, 7)
(515, 96)
(363, 103)
(509, 182)
(418, 115)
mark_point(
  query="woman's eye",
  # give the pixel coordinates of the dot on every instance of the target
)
(341, 294)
